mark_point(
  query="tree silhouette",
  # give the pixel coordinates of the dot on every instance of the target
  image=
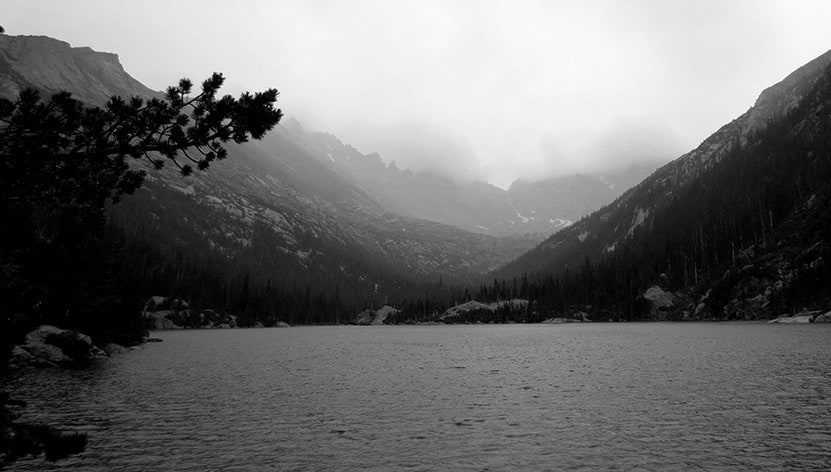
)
(61, 163)
(62, 149)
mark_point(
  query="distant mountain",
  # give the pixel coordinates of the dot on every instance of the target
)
(534, 209)
(274, 212)
(272, 204)
(739, 224)
(562, 200)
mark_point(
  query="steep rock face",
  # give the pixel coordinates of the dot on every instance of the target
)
(600, 233)
(785, 95)
(50, 65)
(772, 102)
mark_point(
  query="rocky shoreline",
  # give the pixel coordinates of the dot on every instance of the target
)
(816, 316)
(46, 346)
(162, 313)
(50, 346)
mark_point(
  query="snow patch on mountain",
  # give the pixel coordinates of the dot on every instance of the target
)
(519, 215)
(641, 216)
(560, 222)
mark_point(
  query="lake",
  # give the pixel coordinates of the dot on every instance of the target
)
(643, 396)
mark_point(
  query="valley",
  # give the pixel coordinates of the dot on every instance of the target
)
(501, 235)
(303, 228)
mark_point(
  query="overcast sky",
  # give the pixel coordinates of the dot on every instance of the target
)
(491, 90)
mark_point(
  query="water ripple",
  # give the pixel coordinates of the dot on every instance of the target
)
(564, 397)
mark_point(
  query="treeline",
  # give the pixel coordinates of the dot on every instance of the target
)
(168, 251)
(75, 266)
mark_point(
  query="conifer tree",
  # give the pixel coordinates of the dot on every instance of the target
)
(62, 162)
(60, 148)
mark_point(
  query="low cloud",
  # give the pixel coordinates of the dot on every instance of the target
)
(476, 90)
(422, 147)
(622, 143)
(633, 141)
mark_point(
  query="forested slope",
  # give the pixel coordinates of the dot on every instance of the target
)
(745, 215)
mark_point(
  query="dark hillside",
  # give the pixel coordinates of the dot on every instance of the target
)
(745, 236)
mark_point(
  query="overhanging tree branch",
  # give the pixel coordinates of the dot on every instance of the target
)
(89, 146)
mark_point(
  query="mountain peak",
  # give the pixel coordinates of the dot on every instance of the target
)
(786, 94)
(51, 65)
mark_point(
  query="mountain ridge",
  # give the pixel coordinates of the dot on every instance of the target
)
(672, 176)
(709, 224)
(531, 208)
(91, 76)
(272, 211)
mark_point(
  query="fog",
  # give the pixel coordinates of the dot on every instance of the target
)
(493, 90)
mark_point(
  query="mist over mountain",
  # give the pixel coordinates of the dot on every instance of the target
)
(536, 209)
(534, 173)
(276, 211)
(450, 193)
(737, 227)
(302, 211)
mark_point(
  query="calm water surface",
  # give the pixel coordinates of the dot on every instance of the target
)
(517, 397)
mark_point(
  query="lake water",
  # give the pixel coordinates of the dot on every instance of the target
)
(648, 396)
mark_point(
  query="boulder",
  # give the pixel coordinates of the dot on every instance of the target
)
(792, 319)
(559, 320)
(50, 345)
(48, 353)
(474, 305)
(824, 318)
(20, 357)
(658, 297)
(374, 317)
(39, 334)
(113, 349)
(155, 301)
(365, 318)
(659, 302)
(382, 313)
(159, 320)
(282, 324)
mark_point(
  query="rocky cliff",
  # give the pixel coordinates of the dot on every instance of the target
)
(50, 65)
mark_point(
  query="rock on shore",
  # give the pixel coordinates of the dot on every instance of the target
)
(49, 345)
(816, 316)
(172, 313)
(374, 317)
